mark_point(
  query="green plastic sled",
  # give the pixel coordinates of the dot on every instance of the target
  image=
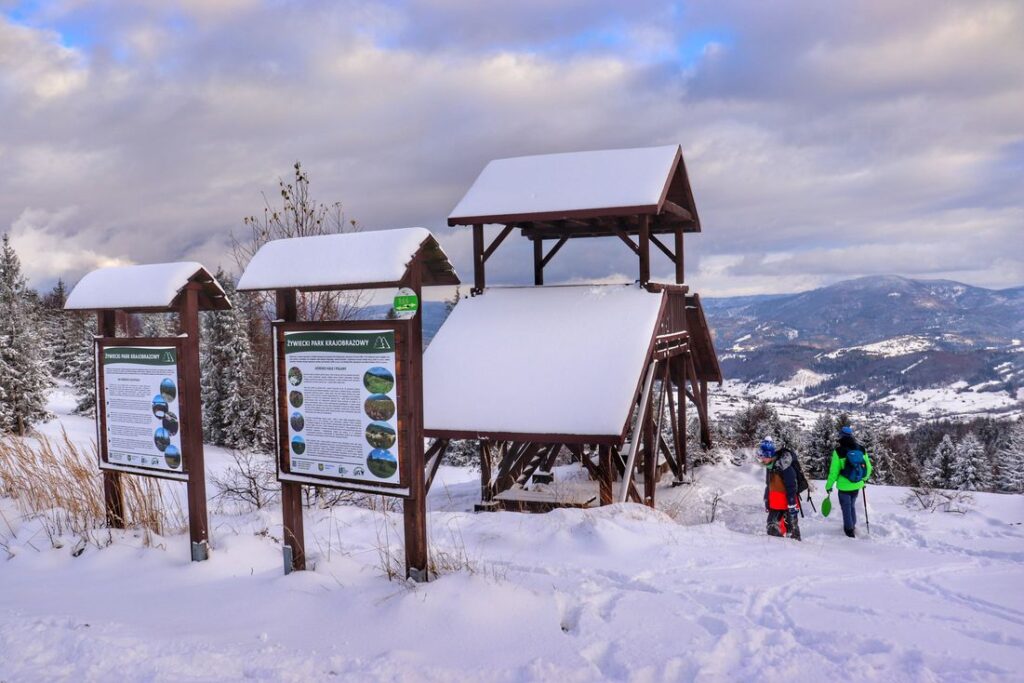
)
(826, 507)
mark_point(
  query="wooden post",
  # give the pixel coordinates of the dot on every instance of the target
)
(478, 259)
(538, 261)
(485, 472)
(680, 373)
(680, 274)
(650, 454)
(705, 426)
(607, 473)
(291, 492)
(113, 490)
(645, 249)
(414, 508)
(192, 418)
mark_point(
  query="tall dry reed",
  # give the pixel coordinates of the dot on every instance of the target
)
(58, 483)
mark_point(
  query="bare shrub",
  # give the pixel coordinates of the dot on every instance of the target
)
(250, 483)
(59, 484)
(938, 500)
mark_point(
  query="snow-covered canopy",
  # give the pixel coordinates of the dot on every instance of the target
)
(540, 360)
(377, 257)
(634, 180)
(152, 286)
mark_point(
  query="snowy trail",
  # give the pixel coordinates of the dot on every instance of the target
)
(621, 593)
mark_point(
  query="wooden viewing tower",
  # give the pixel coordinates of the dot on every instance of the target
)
(598, 370)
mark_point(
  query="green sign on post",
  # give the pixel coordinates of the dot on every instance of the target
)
(406, 303)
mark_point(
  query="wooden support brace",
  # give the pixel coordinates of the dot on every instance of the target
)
(433, 457)
(497, 242)
(665, 250)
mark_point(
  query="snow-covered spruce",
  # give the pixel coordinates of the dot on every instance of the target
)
(24, 367)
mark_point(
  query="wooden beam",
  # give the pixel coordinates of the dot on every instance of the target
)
(293, 532)
(645, 249)
(479, 279)
(665, 250)
(554, 250)
(621, 234)
(497, 241)
(433, 457)
(607, 473)
(485, 472)
(190, 400)
(538, 261)
(680, 275)
(113, 488)
(676, 210)
(705, 425)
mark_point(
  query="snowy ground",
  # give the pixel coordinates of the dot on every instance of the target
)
(620, 593)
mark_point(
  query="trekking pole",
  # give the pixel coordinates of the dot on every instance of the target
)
(867, 521)
(811, 501)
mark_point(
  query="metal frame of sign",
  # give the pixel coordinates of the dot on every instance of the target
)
(184, 428)
(401, 330)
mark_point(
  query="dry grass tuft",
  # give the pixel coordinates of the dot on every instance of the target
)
(58, 484)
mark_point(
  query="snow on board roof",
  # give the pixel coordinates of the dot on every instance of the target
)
(154, 285)
(540, 360)
(575, 181)
(354, 258)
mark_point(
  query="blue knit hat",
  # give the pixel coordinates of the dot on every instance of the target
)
(847, 430)
(767, 449)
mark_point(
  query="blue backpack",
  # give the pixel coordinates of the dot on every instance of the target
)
(855, 467)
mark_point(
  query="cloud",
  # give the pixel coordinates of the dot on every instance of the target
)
(47, 252)
(822, 141)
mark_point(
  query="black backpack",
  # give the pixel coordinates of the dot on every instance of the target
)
(801, 480)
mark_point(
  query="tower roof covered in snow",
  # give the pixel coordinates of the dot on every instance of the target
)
(583, 194)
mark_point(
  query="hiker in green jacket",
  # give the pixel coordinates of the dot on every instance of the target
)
(850, 471)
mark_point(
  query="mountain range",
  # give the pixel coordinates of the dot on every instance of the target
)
(874, 338)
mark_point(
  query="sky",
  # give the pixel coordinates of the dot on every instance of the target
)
(823, 141)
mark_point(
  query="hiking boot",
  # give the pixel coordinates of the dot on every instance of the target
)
(794, 528)
(850, 533)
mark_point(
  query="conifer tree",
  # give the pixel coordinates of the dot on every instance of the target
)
(938, 469)
(971, 468)
(231, 414)
(1010, 461)
(24, 372)
(81, 369)
(159, 325)
(821, 441)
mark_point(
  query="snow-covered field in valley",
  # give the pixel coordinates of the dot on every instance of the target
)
(619, 593)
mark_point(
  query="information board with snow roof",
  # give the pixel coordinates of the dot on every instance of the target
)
(150, 287)
(377, 258)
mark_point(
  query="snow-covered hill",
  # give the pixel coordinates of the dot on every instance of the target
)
(620, 593)
(872, 341)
